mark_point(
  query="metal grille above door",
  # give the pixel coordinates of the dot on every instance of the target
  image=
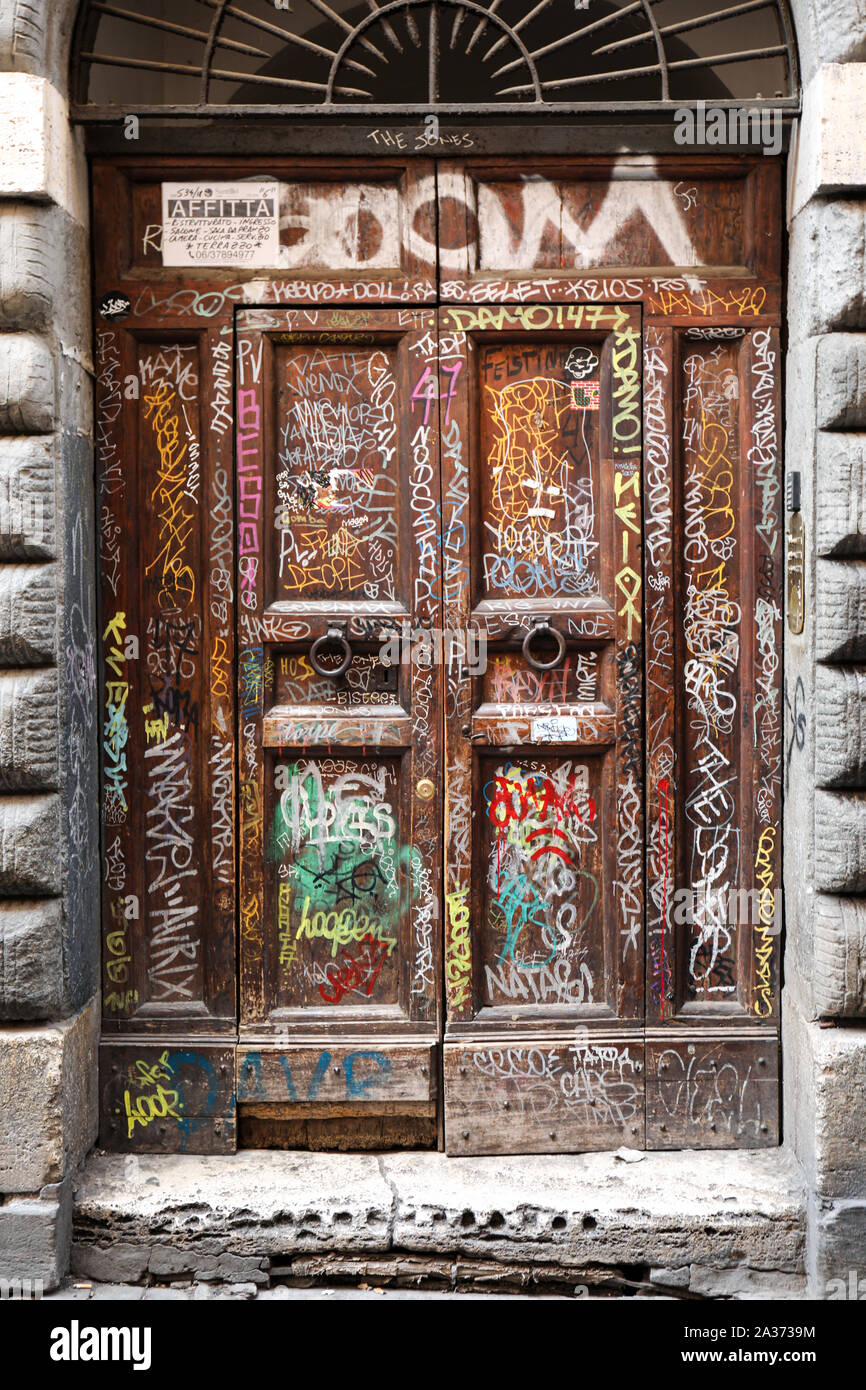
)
(204, 57)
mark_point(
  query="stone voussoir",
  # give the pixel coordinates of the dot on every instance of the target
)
(839, 983)
(31, 959)
(840, 842)
(28, 730)
(840, 726)
(840, 617)
(27, 384)
(841, 381)
(840, 31)
(840, 501)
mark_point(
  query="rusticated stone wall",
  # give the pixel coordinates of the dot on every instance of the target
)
(49, 844)
(49, 721)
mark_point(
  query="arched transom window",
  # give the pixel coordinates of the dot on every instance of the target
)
(371, 57)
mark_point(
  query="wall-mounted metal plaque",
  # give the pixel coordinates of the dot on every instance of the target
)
(796, 571)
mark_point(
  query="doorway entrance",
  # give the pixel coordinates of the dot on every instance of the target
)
(441, 609)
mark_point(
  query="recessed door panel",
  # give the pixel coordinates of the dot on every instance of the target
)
(542, 558)
(341, 780)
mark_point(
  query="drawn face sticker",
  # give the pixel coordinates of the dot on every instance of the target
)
(580, 363)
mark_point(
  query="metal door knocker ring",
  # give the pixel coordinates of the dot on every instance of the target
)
(333, 637)
(541, 626)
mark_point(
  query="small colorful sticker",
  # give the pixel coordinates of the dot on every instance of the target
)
(114, 306)
(585, 395)
(554, 729)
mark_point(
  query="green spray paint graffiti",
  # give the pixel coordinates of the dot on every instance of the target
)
(345, 880)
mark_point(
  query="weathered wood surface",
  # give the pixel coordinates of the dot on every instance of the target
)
(169, 1098)
(544, 840)
(351, 1073)
(389, 457)
(167, 624)
(523, 1096)
(338, 456)
(715, 1094)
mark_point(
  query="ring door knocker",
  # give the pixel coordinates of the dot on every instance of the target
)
(334, 636)
(541, 627)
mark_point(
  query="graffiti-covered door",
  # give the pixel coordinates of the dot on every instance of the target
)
(340, 777)
(503, 873)
(544, 805)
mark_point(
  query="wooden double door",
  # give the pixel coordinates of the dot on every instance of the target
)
(451, 714)
(440, 544)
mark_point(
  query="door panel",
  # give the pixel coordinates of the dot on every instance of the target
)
(544, 812)
(167, 648)
(714, 615)
(338, 489)
(714, 618)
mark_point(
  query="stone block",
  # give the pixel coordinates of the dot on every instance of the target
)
(30, 836)
(34, 37)
(841, 381)
(28, 730)
(838, 1079)
(120, 1262)
(825, 1104)
(45, 275)
(742, 1282)
(840, 842)
(671, 1278)
(827, 275)
(27, 384)
(27, 497)
(47, 1100)
(223, 1214)
(28, 262)
(31, 959)
(34, 1237)
(28, 615)
(43, 156)
(831, 156)
(839, 976)
(840, 501)
(840, 726)
(840, 610)
(125, 1260)
(837, 1248)
(839, 31)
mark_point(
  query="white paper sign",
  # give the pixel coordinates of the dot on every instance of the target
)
(554, 729)
(230, 224)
